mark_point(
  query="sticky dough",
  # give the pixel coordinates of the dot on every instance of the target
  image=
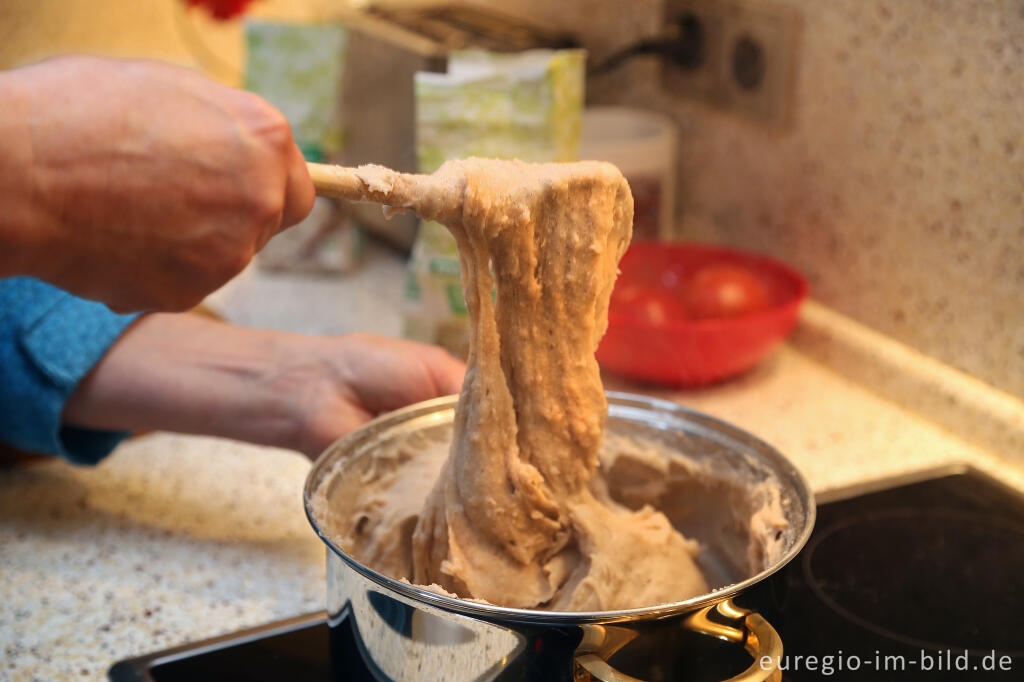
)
(513, 517)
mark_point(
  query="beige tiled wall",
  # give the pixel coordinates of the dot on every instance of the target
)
(899, 189)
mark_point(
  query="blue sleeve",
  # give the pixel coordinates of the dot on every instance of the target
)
(49, 340)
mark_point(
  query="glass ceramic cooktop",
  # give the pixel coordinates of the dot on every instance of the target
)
(919, 581)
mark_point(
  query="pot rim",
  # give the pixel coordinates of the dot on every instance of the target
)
(785, 468)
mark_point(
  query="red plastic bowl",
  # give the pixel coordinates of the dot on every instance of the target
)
(691, 352)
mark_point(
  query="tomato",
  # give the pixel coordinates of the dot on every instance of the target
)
(714, 290)
(647, 301)
(724, 290)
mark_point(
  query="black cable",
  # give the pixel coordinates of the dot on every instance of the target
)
(682, 43)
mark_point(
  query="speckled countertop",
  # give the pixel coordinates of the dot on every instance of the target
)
(176, 538)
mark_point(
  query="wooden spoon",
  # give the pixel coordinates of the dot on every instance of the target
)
(433, 197)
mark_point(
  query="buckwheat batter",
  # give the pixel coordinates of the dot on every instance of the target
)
(514, 517)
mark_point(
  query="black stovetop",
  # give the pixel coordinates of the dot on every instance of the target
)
(918, 582)
(922, 581)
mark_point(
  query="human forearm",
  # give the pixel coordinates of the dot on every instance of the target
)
(188, 374)
(195, 375)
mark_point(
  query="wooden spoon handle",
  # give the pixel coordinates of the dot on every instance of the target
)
(432, 197)
(340, 182)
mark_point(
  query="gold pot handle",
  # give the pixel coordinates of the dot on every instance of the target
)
(755, 633)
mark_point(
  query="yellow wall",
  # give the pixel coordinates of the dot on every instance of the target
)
(162, 29)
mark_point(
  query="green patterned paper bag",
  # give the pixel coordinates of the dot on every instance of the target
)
(525, 106)
(298, 68)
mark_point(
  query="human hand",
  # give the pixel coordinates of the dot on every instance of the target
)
(147, 185)
(337, 383)
(195, 375)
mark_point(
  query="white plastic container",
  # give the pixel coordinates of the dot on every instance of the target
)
(643, 145)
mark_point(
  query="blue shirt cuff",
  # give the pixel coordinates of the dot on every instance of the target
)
(49, 341)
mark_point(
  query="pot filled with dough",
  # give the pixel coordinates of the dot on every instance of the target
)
(536, 527)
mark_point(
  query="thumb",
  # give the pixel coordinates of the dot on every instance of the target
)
(446, 370)
(299, 192)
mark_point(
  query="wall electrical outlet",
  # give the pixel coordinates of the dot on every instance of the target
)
(739, 55)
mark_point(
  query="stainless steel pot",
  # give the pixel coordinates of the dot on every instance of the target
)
(404, 632)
